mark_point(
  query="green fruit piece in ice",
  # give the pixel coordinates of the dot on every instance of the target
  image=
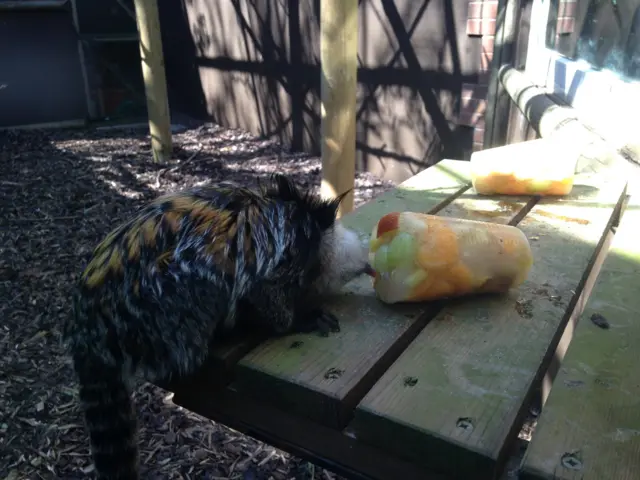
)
(416, 278)
(401, 249)
(381, 261)
(376, 242)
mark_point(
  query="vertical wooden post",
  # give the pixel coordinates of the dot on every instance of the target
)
(339, 64)
(148, 21)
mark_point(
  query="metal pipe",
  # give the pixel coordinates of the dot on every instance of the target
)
(550, 119)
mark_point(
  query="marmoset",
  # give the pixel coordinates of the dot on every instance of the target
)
(158, 288)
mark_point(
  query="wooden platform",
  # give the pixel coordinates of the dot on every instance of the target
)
(433, 390)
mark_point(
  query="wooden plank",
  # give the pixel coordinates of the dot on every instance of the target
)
(455, 397)
(324, 378)
(217, 370)
(590, 426)
(338, 90)
(301, 437)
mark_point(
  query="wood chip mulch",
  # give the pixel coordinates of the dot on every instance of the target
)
(60, 193)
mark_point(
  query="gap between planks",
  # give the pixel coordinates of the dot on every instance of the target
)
(564, 336)
(542, 385)
(537, 399)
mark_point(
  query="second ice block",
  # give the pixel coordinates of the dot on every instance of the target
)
(537, 167)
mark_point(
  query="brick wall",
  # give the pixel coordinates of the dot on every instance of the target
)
(566, 22)
(481, 23)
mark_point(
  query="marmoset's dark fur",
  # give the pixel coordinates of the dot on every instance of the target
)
(158, 287)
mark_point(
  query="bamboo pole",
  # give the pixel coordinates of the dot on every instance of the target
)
(339, 62)
(148, 21)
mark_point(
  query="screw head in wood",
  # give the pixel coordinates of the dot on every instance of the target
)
(465, 423)
(410, 381)
(571, 460)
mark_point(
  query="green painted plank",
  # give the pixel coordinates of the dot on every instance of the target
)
(590, 425)
(453, 399)
(324, 378)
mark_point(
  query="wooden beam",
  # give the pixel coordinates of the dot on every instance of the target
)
(339, 61)
(297, 435)
(148, 21)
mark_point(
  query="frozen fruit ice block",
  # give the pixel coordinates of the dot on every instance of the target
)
(539, 167)
(420, 257)
(495, 183)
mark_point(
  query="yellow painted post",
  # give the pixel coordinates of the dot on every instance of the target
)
(152, 57)
(339, 64)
